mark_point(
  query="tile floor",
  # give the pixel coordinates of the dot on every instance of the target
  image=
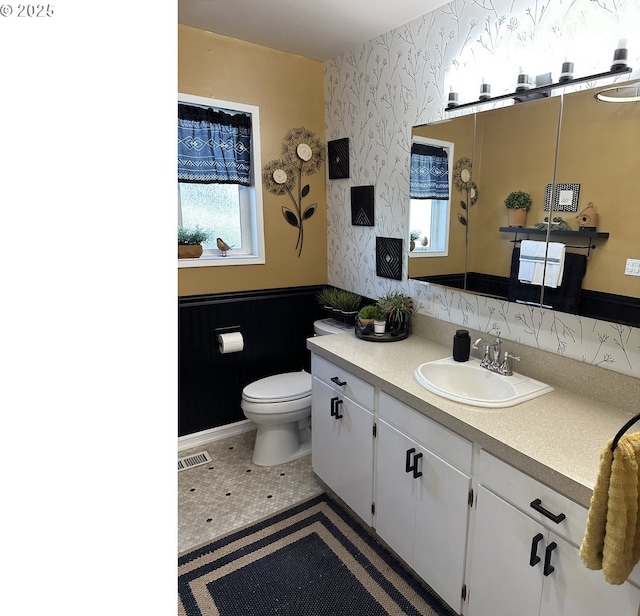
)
(231, 491)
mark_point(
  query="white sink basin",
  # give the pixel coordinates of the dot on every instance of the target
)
(467, 382)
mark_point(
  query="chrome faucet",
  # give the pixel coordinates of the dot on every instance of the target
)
(491, 357)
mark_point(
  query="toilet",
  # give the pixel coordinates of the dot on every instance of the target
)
(280, 405)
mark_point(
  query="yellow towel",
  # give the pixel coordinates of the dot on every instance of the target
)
(612, 537)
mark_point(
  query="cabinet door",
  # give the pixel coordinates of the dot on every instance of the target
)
(342, 447)
(396, 490)
(571, 588)
(503, 579)
(442, 513)
(324, 434)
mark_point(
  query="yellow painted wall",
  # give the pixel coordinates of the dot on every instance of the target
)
(289, 90)
(514, 150)
(600, 150)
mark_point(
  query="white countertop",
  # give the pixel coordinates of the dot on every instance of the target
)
(556, 438)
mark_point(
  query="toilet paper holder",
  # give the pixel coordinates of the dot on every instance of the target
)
(220, 331)
(225, 330)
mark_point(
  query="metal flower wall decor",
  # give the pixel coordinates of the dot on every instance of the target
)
(463, 182)
(302, 155)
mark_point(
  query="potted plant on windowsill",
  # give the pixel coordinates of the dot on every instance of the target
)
(190, 242)
(518, 203)
(413, 238)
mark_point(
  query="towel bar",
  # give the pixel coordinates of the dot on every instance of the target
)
(622, 430)
(589, 247)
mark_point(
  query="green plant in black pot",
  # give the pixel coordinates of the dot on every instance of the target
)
(328, 299)
(348, 303)
(398, 308)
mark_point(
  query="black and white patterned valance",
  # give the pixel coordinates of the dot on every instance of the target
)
(213, 146)
(429, 176)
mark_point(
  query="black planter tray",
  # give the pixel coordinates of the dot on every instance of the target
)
(386, 337)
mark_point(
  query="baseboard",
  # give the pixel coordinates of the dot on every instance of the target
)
(214, 434)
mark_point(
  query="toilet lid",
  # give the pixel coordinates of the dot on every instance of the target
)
(325, 327)
(279, 387)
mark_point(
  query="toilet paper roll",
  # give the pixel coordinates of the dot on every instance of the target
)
(230, 343)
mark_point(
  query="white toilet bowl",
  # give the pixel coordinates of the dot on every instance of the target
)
(280, 406)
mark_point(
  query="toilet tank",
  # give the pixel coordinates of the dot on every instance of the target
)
(324, 327)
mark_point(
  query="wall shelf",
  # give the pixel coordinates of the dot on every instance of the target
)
(536, 231)
(540, 91)
(589, 235)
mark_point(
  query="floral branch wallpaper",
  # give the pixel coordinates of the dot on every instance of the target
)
(376, 92)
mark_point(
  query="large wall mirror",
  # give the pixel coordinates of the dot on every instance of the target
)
(567, 152)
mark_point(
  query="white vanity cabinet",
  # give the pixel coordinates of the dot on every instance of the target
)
(342, 434)
(422, 483)
(524, 552)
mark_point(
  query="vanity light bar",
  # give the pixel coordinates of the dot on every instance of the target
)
(551, 86)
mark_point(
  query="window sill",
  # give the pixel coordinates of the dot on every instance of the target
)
(417, 254)
(216, 261)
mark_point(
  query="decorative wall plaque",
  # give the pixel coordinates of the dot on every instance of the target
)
(362, 200)
(389, 257)
(338, 158)
(566, 198)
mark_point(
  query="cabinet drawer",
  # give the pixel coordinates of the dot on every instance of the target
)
(447, 444)
(521, 490)
(358, 390)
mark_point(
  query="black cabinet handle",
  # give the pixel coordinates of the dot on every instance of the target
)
(534, 559)
(336, 407)
(333, 406)
(416, 473)
(548, 567)
(337, 381)
(407, 462)
(408, 467)
(537, 505)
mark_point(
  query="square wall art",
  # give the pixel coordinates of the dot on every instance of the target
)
(389, 257)
(566, 199)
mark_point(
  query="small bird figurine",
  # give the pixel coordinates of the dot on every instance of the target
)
(222, 246)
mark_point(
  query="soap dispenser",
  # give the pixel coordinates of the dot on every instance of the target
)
(461, 345)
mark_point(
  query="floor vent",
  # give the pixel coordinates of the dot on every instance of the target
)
(195, 459)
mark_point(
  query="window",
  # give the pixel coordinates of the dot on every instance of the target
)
(429, 218)
(232, 212)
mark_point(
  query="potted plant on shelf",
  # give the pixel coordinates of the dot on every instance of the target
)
(348, 303)
(398, 308)
(190, 242)
(518, 204)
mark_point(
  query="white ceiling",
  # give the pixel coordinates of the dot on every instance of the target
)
(317, 29)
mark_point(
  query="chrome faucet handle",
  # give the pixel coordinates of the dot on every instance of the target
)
(486, 359)
(505, 368)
